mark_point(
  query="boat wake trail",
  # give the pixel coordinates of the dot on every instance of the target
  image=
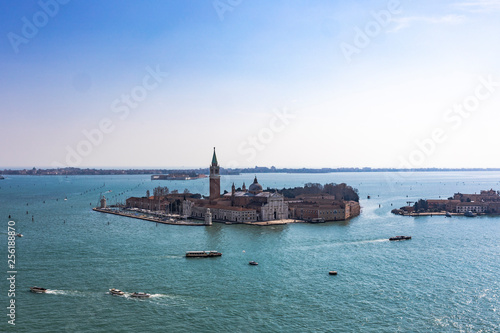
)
(369, 241)
(63, 292)
(159, 295)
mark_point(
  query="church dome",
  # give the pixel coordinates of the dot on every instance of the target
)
(255, 187)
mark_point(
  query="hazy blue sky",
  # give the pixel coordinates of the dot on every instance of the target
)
(284, 83)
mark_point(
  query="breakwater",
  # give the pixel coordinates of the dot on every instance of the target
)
(145, 217)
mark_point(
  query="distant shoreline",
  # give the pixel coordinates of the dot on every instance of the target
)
(99, 172)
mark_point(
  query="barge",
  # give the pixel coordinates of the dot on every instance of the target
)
(398, 238)
(202, 254)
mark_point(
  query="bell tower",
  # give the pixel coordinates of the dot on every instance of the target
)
(214, 179)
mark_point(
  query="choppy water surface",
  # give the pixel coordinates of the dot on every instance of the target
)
(446, 279)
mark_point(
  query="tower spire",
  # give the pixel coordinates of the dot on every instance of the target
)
(214, 159)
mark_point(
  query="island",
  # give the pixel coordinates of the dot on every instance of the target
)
(487, 202)
(253, 205)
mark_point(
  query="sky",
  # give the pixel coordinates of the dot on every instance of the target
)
(158, 84)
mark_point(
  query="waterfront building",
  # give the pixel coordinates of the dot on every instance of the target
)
(448, 205)
(475, 207)
(324, 207)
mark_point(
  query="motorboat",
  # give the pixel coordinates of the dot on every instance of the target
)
(115, 291)
(19, 235)
(254, 263)
(38, 290)
(398, 238)
(332, 272)
(140, 295)
(448, 214)
(470, 214)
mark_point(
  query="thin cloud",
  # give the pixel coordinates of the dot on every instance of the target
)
(405, 22)
(479, 6)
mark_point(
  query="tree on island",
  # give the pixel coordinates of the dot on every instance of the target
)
(340, 191)
(421, 205)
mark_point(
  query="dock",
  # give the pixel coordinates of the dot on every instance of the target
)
(146, 218)
(275, 222)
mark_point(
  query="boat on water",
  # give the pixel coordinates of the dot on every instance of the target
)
(115, 291)
(202, 254)
(1, 177)
(19, 235)
(140, 295)
(38, 290)
(398, 238)
(254, 263)
(448, 214)
(332, 273)
(470, 214)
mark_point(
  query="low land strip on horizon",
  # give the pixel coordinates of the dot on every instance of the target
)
(224, 171)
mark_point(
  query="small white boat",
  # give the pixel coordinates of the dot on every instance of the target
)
(117, 292)
(470, 214)
(19, 235)
(140, 295)
(38, 290)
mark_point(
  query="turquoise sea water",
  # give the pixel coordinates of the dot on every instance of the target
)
(446, 279)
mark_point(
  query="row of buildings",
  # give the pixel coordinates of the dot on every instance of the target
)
(487, 202)
(251, 204)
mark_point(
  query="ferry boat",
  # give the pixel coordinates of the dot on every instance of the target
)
(398, 238)
(38, 290)
(140, 295)
(117, 292)
(203, 254)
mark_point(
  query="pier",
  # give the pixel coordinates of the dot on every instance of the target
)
(145, 217)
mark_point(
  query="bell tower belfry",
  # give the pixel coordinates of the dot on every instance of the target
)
(214, 178)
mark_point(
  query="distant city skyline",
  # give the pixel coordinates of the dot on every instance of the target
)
(290, 84)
